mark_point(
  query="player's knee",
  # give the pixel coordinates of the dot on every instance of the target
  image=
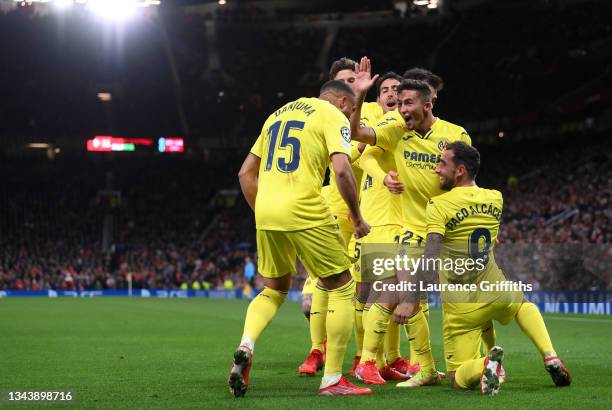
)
(335, 281)
(362, 291)
(280, 284)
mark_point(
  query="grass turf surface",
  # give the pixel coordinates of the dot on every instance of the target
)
(166, 353)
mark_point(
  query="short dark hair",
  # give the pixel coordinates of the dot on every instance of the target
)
(416, 85)
(420, 73)
(343, 63)
(387, 76)
(465, 155)
(337, 86)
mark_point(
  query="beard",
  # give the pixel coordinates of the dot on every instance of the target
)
(447, 183)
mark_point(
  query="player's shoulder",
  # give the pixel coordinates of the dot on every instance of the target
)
(493, 195)
(308, 107)
(454, 131)
(441, 200)
(392, 122)
(391, 117)
(321, 106)
(460, 196)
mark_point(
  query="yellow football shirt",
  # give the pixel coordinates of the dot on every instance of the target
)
(468, 218)
(338, 207)
(295, 144)
(378, 206)
(371, 112)
(416, 157)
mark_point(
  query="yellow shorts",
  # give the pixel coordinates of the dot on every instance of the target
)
(321, 250)
(384, 234)
(410, 236)
(346, 228)
(309, 285)
(462, 331)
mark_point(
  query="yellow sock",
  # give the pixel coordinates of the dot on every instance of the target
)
(375, 330)
(318, 316)
(364, 319)
(340, 315)
(380, 357)
(488, 337)
(413, 354)
(358, 327)
(364, 315)
(532, 324)
(425, 308)
(392, 342)
(260, 313)
(468, 374)
(418, 334)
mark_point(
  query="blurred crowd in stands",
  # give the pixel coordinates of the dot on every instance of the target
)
(172, 229)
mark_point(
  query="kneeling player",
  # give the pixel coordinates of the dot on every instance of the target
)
(471, 215)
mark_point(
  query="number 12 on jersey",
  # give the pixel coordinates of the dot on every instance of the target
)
(287, 141)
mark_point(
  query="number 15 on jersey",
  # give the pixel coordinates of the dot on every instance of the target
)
(288, 141)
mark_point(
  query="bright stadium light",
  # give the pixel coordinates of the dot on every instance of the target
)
(222, 2)
(114, 9)
(62, 4)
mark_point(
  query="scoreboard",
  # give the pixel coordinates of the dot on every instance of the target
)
(107, 143)
(171, 145)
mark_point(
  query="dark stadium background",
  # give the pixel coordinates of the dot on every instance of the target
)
(531, 81)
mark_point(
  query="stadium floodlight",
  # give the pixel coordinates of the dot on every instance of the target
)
(114, 9)
(62, 4)
(222, 2)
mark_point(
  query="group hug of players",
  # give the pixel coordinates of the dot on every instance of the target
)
(398, 174)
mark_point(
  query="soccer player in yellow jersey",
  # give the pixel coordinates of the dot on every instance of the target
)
(281, 179)
(416, 138)
(383, 208)
(315, 297)
(436, 84)
(462, 226)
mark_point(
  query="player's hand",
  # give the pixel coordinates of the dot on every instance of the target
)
(392, 184)
(402, 313)
(361, 227)
(363, 76)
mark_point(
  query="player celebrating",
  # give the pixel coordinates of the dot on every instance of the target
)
(470, 214)
(436, 84)
(383, 212)
(281, 180)
(417, 138)
(313, 297)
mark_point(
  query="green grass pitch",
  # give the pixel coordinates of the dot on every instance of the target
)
(167, 353)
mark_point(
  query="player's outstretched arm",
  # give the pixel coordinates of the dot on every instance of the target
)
(248, 178)
(345, 180)
(426, 271)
